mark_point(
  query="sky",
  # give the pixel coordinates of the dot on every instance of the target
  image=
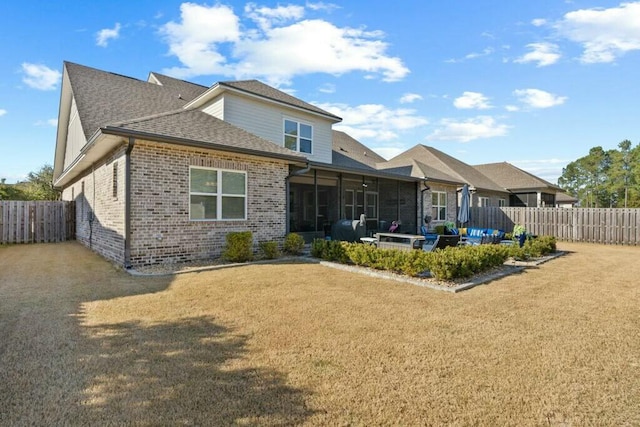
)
(533, 83)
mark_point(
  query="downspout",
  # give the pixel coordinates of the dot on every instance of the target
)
(127, 204)
(425, 187)
(288, 200)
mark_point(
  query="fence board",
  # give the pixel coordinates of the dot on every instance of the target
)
(36, 221)
(605, 225)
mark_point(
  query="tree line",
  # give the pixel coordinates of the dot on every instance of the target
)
(604, 179)
(37, 186)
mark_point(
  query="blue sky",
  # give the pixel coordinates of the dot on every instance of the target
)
(534, 83)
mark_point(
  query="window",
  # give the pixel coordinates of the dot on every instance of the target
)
(217, 194)
(438, 205)
(115, 179)
(502, 203)
(372, 205)
(298, 136)
(484, 202)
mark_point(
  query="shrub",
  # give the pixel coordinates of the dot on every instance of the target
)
(329, 250)
(293, 244)
(239, 246)
(270, 250)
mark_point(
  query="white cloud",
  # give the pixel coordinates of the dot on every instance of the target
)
(536, 98)
(213, 40)
(472, 100)
(49, 122)
(327, 88)
(103, 36)
(539, 22)
(40, 76)
(468, 130)
(267, 17)
(408, 98)
(374, 121)
(605, 34)
(329, 7)
(2, 112)
(512, 108)
(473, 55)
(542, 53)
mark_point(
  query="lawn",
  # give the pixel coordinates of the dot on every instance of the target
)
(294, 343)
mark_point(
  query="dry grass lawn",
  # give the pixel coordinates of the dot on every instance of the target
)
(83, 343)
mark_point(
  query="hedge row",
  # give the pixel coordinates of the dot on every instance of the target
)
(449, 263)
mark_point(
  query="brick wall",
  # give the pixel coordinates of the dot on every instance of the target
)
(160, 227)
(100, 212)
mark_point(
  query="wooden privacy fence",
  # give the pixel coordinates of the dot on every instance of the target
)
(604, 225)
(36, 221)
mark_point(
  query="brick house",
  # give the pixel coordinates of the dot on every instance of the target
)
(161, 170)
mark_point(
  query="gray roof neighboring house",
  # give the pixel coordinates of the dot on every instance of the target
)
(515, 179)
(438, 166)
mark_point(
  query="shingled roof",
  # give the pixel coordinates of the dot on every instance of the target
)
(256, 87)
(103, 97)
(186, 90)
(438, 166)
(350, 153)
(513, 178)
(197, 128)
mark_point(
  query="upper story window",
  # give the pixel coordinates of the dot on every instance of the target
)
(439, 205)
(298, 136)
(484, 202)
(502, 203)
(217, 194)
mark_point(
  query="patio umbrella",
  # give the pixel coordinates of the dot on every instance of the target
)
(464, 215)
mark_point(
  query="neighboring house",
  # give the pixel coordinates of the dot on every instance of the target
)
(527, 190)
(445, 176)
(161, 170)
(564, 200)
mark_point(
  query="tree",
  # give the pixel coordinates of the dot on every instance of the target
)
(605, 178)
(38, 186)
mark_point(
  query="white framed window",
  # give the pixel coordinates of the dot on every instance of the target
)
(484, 202)
(298, 136)
(217, 194)
(502, 203)
(438, 205)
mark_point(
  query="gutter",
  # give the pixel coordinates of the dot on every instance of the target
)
(127, 204)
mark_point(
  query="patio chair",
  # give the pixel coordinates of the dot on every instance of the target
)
(441, 241)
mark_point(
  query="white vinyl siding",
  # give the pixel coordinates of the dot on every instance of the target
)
(216, 108)
(75, 136)
(265, 120)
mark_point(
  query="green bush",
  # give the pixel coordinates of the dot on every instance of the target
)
(239, 246)
(269, 250)
(293, 244)
(329, 250)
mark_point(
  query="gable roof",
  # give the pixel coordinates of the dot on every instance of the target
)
(258, 88)
(351, 153)
(513, 178)
(186, 90)
(112, 104)
(438, 166)
(196, 128)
